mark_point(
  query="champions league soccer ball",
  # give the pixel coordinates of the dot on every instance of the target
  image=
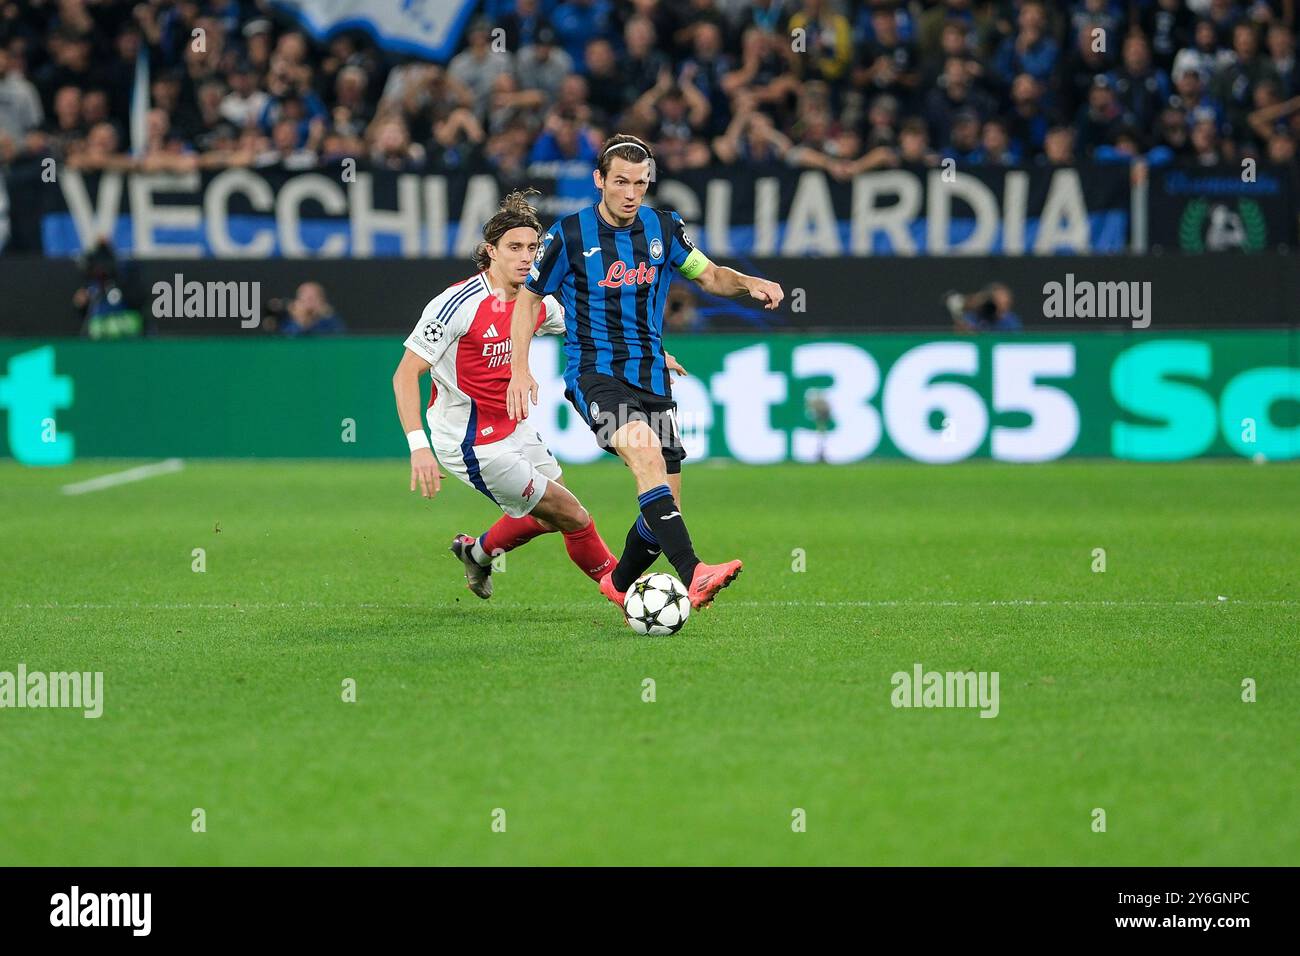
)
(656, 603)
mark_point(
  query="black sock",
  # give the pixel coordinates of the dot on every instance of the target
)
(639, 553)
(666, 524)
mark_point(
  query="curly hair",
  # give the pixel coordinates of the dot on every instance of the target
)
(516, 211)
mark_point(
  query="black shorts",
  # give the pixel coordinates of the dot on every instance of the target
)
(606, 404)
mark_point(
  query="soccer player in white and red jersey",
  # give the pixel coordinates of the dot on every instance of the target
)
(463, 340)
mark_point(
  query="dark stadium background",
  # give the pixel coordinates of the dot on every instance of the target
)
(758, 112)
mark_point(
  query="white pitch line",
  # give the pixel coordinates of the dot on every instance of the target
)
(112, 480)
(1203, 602)
(316, 605)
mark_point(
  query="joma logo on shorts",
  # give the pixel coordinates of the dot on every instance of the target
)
(619, 274)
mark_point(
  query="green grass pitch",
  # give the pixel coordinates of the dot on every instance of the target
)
(1120, 690)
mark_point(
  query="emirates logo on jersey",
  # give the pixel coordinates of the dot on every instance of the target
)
(496, 354)
(620, 275)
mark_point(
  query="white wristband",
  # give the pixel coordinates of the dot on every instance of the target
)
(417, 439)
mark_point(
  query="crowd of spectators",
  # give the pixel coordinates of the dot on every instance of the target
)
(845, 86)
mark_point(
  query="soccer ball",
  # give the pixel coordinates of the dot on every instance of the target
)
(656, 603)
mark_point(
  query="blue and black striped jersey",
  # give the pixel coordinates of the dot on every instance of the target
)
(613, 283)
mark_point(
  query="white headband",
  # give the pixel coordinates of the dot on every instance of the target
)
(633, 145)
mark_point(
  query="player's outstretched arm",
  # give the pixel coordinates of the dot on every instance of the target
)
(406, 389)
(720, 280)
(523, 387)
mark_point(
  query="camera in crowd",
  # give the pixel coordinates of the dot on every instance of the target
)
(103, 300)
(991, 309)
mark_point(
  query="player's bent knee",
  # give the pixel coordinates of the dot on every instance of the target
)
(561, 510)
(576, 521)
(571, 516)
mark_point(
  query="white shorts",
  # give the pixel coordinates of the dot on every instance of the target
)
(513, 472)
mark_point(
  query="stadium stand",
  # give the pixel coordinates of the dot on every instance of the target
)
(844, 87)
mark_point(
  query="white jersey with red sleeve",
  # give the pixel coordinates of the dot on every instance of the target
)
(464, 335)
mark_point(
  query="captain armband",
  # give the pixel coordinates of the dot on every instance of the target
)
(695, 263)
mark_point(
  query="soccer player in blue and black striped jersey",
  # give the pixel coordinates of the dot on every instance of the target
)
(610, 265)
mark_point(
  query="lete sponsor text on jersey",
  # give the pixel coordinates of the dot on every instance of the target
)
(619, 274)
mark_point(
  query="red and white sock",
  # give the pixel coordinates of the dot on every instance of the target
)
(587, 549)
(505, 535)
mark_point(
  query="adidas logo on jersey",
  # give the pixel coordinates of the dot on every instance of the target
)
(491, 332)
